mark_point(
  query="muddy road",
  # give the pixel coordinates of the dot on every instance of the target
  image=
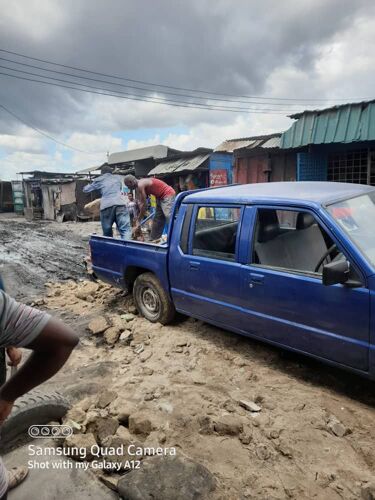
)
(312, 434)
(33, 253)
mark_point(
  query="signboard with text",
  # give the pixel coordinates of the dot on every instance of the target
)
(218, 177)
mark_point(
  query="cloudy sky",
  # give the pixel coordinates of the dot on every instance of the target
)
(292, 55)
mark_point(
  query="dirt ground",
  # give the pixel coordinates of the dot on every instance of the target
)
(312, 435)
(32, 253)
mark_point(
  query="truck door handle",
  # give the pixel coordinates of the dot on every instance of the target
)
(256, 279)
(194, 266)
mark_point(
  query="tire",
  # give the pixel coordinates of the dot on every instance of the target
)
(151, 300)
(35, 408)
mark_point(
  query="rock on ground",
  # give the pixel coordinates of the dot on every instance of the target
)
(141, 423)
(250, 406)
(87, 290)
(122, 409)
(119, 445)
(83, 443)
(102, 427)
(98, 325)
(111, 335)
(337, 428)
(105, 398)
(228, 425)
(168, 478)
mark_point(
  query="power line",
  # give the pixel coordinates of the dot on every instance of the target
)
(204, 107)
(64, 73)
(159, 100)
(43, 133)
(182, 89)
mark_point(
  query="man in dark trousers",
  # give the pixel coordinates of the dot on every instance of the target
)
(113, 204)
(51, 343)
(165, 196)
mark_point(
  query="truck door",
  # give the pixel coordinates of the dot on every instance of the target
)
(283, 295)
(205, 274)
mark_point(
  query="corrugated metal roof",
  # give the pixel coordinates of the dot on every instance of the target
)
(230, 145)
(179, 165)
(346, 123)
(264, 141)
(89, 169)
(44, 173)
(274, 142)
(332, 108)
(158, 151)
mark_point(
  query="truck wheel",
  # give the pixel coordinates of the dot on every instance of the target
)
(152, 300)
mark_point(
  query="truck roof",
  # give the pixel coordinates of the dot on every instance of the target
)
(315, 193)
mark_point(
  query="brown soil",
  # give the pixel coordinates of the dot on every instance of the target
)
(190, 375)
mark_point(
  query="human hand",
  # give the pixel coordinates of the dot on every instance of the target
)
(15, 356)
(5, 409)
(136, 229)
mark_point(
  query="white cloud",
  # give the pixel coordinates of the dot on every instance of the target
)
(19, 161)
(34, 18)
(21, 143)
(96, 144)
(109, 114)
(211, 135)
(152, 141)
(343, 69)
(346, 67)
(30, 153)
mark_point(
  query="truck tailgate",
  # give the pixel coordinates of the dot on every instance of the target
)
(112, 258)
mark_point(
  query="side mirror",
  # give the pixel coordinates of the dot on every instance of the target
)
(336, 272)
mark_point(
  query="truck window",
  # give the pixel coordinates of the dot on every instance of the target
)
(292, 240)
(215, 232)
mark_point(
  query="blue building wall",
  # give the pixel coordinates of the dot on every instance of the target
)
(220, 161)
(312, 166)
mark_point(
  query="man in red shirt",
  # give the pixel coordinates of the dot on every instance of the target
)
(165, 196)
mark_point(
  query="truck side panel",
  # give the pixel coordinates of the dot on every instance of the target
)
(113, 257)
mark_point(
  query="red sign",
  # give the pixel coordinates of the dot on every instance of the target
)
(218, 177)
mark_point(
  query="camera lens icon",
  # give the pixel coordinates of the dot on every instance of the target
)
(56, 431)
(48, 431)
(34, 431)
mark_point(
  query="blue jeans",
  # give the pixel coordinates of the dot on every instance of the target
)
(120, 215)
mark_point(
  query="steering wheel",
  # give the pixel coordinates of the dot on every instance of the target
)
(324, 256)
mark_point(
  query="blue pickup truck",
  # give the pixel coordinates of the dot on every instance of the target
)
(292, 264)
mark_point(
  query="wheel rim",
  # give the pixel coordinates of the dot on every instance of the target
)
(150, 302)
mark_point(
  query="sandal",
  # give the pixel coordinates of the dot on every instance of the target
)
(16, 475)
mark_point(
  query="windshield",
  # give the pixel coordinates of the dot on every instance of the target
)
(357, 216)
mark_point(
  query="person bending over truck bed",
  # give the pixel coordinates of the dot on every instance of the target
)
(165, 196)
(51, 343)
(113, 205)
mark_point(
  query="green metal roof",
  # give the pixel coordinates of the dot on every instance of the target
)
(346, 123)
